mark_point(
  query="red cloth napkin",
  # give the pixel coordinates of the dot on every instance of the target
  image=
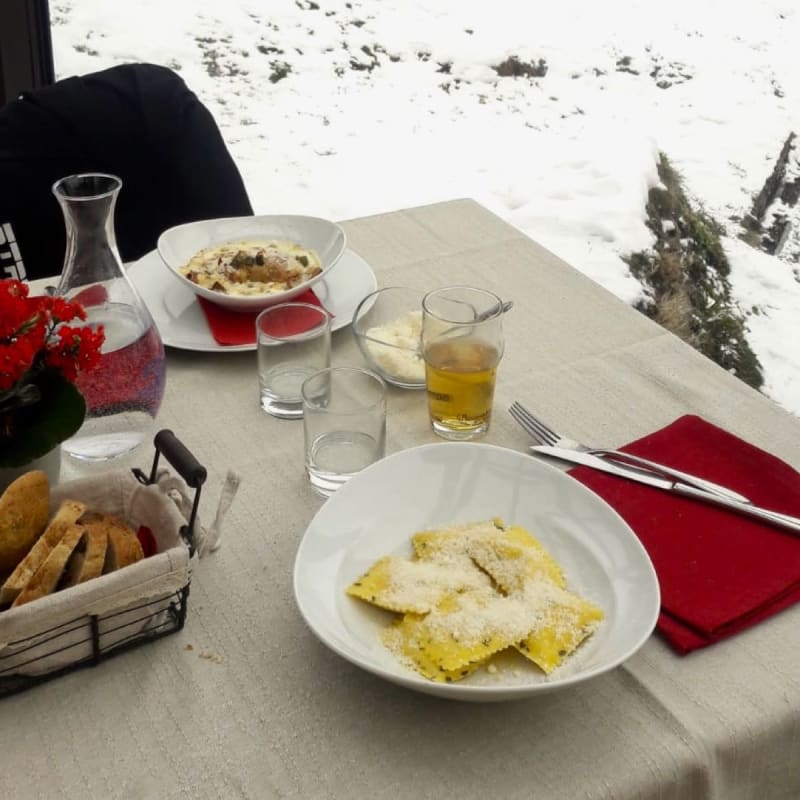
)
(719, 572)
(239, 327)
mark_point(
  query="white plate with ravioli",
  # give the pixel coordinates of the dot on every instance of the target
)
(181, 321)
(376, 513)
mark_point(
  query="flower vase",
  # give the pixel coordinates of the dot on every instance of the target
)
(124, 391)
(49, 463)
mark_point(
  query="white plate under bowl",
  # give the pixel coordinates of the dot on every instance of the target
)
(181, 321)
(375, 513)
(178, 244)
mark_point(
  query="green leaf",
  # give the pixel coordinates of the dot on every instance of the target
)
(37, 428)
(18, 398)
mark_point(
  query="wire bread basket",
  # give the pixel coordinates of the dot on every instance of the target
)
(89, 623)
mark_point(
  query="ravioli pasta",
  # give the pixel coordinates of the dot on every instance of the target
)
(472, 591)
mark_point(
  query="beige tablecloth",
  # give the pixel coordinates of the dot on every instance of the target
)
(246, 703)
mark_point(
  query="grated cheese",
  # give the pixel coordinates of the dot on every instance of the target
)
(398, 584)
(251, 268)
(394, 346)
(472, 591)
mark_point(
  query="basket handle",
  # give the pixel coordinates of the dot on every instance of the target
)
(176, 452)
(189, 468)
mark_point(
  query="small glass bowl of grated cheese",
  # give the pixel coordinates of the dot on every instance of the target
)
(387, 326)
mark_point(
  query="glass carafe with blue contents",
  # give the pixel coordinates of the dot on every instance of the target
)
(124, 392)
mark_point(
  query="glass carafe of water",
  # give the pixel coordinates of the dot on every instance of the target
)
(124, 392)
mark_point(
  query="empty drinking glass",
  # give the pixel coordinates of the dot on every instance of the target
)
(293, 341)
(344, 420)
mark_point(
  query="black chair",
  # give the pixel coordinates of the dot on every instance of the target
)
(137, 121)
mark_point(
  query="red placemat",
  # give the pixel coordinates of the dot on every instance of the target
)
(719, 572)
(239, 327)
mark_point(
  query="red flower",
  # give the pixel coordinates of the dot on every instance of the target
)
(14, 307)
(63, 311)
(34, 335)
(15, 360)
(76, 349)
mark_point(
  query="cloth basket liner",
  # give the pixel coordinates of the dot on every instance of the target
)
(55, 632)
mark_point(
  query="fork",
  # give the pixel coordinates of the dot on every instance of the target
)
(546, 435)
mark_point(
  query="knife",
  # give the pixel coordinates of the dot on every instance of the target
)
(669, 484)
(630, 460)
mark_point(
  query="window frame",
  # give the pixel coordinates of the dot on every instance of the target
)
(26, 47)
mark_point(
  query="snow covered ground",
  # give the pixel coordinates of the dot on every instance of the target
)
(349, 107)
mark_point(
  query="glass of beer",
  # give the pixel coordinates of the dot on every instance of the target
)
(462, 344)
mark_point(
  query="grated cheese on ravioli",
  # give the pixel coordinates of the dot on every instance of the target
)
(472, 591)
(397, 584)
(512, 566)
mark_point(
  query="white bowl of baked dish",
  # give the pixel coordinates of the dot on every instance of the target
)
(249, 263)
(387, 324)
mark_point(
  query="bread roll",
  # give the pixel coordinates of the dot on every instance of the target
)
(24, 511)
(46, 578)
(68, 513)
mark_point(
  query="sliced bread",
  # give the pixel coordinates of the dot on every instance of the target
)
(47, 577)
(124, 547)
(87, 561)
(68, 513)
